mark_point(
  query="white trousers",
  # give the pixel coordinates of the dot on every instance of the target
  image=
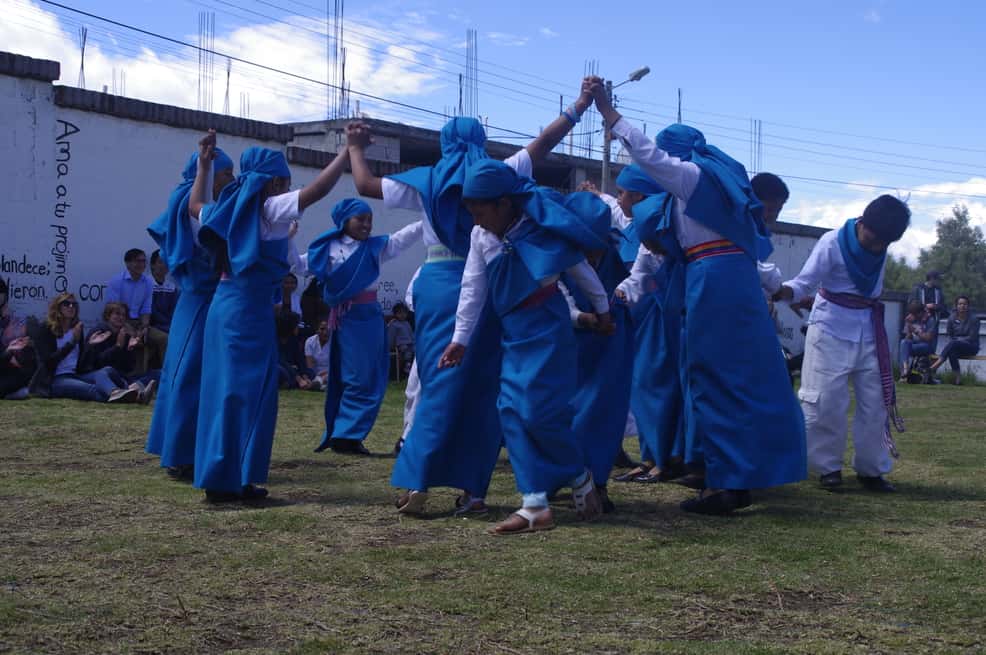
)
(631, 426)
(830, 364)
(411, 395)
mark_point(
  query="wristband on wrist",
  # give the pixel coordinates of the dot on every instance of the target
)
(574, 112)
(570, 118)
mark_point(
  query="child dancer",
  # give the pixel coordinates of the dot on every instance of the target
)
(522, 241)
(248, 230)
(846, 341)
(173, 426)
(347, 262)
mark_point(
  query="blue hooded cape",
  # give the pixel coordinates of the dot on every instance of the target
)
(235, 217)
(171, 231)
(633, 178)
(723, 200)
(440, 186)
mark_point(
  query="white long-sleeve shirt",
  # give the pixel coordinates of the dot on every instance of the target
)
(646, 264)
(619, 219)
(278, 214)
(484, 247)
(679, 178)
(770, 277)
(827, 268)
(397, 195)
(343, 248)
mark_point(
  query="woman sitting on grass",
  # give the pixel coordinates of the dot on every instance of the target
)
(62, 349)
(963, 338)
(113, 343)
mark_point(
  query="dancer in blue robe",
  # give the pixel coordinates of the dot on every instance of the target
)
(523, 240)
(605, 362)
(248, 230)
(752, 429)
(173, 426)
(347, 262)
(456, 429)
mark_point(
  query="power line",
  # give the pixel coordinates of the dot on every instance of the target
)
(882, 186)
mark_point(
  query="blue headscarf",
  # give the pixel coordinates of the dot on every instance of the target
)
(723, 200)
(362, 267)
(488, 179)
(864, 266)
(440, 186)
(171, 231)
(652, 216)
(595, 213)
(633, 178)
(235, 217)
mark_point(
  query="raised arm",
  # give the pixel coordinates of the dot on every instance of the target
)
(199, 196)
(402, 239)
(559, 128)
(321, 185)
(358, 138)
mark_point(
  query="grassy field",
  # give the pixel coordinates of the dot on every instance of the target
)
(101, 553)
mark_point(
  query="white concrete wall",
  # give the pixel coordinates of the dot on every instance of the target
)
(81, 187)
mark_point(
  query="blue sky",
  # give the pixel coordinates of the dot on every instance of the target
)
(872, 92)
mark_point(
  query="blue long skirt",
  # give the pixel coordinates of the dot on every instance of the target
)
(358, 368)
(455, 437)
(173, 426)
(537, 384)
(751, 426)
(238, 403)
(602, 397)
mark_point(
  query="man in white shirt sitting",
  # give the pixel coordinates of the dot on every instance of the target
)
(317, 355)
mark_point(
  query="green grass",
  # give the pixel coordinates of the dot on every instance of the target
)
(101, 552)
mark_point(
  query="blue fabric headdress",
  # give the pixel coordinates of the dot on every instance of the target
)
(235, 217)
(171, 231)
(723, 200)
(594, 213)
(440, 186)
(359, 270)
(864, 267)
(489, 179)
(633, 178)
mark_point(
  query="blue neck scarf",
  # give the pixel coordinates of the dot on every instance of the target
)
(864, 266)
(489, 179)
(440, 186)
(172, 231)
(359, 271)
(723, 200)
(235, 217)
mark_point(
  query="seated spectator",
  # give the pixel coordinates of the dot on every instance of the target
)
(288, 299)
(115, 343)
(920, 335)
(317, 354)
(135, 289)
(293, 372)
(400, 335)
(963, 338)
(163, 302)
(61, 349)
(18, 359)
(930, 295)
(313, 306)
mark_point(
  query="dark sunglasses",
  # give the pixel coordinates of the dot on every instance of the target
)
(68, 303)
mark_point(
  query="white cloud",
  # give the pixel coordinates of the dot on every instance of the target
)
(872, 16)
(506, 39)
(548, 33)
(171, 75)
(927, 202)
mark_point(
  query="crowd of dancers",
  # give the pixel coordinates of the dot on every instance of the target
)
(545, 323)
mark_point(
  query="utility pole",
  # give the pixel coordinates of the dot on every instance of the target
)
(607, 140)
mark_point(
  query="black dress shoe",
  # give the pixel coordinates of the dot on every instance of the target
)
(692, 481)
(720, 503)
(608, 506)
(348, 447)
(183, 472)
(876, 483)
(831, 480)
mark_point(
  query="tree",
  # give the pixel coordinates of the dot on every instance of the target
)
(899, 275)
(960, 254)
